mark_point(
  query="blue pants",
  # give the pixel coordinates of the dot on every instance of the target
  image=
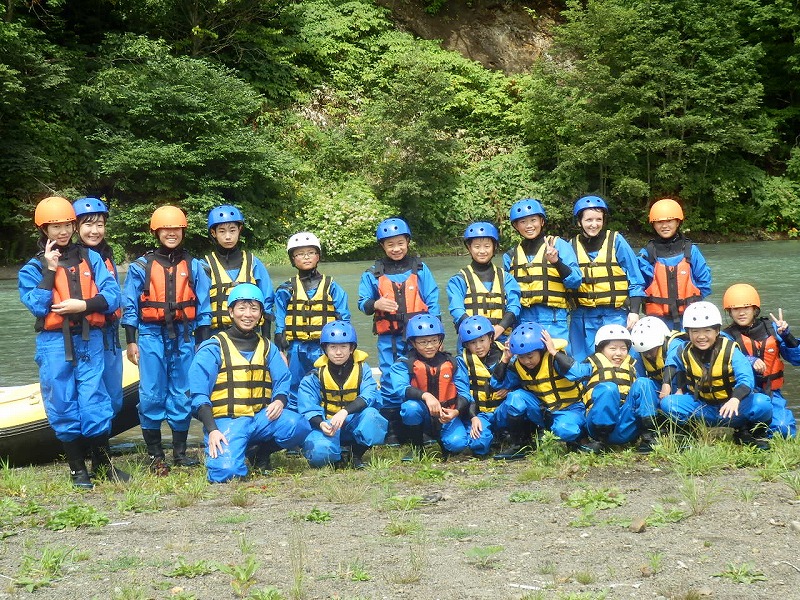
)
(163, 378)
(453, 435)
(390, 348)
(783, 421)
(366, 428)
(491, 422)
(554, 320)
(288, 431)
(584, 322)
(567, 424)
(301, 356)
(623, 420)
(112, 371)
(755, 409)
(75, 399)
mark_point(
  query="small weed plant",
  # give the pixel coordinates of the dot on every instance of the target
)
(76, 515)
(242, 575)
(192, 570)
(318, 516)
(484, 557)
(741, 573)
(528, 496)
(38, 571)
(596, 499)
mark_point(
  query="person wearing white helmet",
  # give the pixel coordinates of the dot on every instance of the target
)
(619, 407)
(303, 306)
(612, 288)
(719, 381)
(545, 267)
(767, 343)
(652, 341)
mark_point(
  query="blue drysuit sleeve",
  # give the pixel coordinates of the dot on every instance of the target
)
(701, 274)
(282, 297)
(202, 289)
(429, 291)
(264, 283)
(340, 302)
(132, 291)
(309, 396)
(394, 384)
(456, 292)
(461, 380)
(203, 373)
(566, 254)
(367, 291)
(629, 263)
(37, 300)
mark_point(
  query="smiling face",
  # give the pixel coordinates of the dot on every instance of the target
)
(60, 233)
(92, 230)
(338, 353)
(743, 316)
(245, 314)
(395, 247)
(667, 229)
(615, 351)
(427, 345)
(529, 227)
(170, 237)
(702, 338)
(481, 250)
(591, 221)
(305, 258)
(480, 346)
(227, 234)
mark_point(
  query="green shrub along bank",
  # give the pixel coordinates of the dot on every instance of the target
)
(322, 115)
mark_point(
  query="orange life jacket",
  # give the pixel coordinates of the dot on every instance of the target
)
(73, 281)
(672, 289)
(769, 351)
(168, 292)
(407, 296)
(436, 380)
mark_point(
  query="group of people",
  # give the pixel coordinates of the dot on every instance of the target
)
(552, 340)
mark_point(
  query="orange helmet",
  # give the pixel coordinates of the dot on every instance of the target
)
(54, 209)
(665, 210)
(740, 295)
(167, 216)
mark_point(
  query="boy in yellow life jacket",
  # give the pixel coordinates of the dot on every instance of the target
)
(539, 395)
(339, 399)
(766, 343)
(239, 385)
(719, 381)
(229, 264)
(303, 306)
(165, 306)
(481, 288)
(619, 407)
(481, 353)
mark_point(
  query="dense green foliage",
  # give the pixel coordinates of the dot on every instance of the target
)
(321, 115)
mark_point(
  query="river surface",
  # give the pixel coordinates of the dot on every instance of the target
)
(772, 267)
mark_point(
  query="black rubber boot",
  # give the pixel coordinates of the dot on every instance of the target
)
(101, 460)
(396, 431)
(152, 438)
(357, 456)
(179, 458)
(262, 459)
(648, 437)
(415, 437)
(745, 437)
(75, 453)
(520, 440)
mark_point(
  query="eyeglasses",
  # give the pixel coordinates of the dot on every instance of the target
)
(306, 254)
(427, 343)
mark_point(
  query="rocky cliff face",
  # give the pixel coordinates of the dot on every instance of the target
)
(508, 36)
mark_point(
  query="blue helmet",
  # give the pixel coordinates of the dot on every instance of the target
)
(526, 338)
(595, 202)
(474, 327)
(224, 214)
(481, 229)
(526, 208)
(245, 291)
(89, 206)
(338, 332)
(422, 325)
(392, 227)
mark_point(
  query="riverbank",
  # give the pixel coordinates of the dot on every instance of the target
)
(714, 520)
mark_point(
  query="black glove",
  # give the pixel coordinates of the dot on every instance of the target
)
(281, 343)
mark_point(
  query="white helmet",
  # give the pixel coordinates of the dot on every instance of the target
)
(701, 314)
(301, 239)
(611, 332)
(649, 333)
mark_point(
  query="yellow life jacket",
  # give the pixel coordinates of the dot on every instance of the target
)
(305, 317)
(538, 279)
(715, 384)
(479, 376)
(604, 370)
(242, 387)
(654, 369)
(333, 398)
(604, 282)
(221, 284)
(553, 390)
(479, 300)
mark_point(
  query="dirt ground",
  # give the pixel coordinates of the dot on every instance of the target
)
(460, 529)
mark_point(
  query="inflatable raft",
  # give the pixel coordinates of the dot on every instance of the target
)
(25, 434)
